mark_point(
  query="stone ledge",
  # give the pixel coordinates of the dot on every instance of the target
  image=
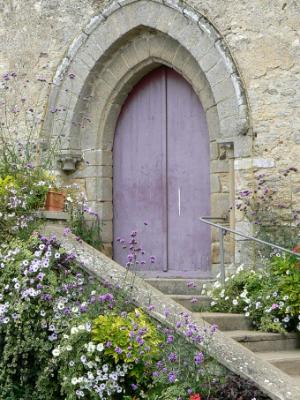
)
(52, 215)
(225, 350)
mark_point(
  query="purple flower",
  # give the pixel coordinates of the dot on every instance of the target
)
(134, 386)
(140, 341)
(118, 350)
(191, 284)
(199, 357)
(172, 357)
(170, 339)
(172, 377)
(130, 257)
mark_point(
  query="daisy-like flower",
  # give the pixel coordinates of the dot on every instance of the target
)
(56, 352)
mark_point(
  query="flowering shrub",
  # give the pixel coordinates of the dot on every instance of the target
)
(42, 291)
(21, 193)
(269, 298)
(274, 215)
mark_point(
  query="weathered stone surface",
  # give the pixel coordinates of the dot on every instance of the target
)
(215, 185)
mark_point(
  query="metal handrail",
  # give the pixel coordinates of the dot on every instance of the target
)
(222, 231)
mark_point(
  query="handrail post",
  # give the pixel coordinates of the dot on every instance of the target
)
(222, 258)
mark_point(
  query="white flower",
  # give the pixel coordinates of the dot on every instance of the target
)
(91, 347)
(69, 348)
(60, 306)
(240, 268)
(71, 363)
(258, 305)
(213, 303)
(227, 298)
(56, 352)
(105, 368)
(88, 327)
(81, 327)
(235, 302)
(90, 375)
(247, 314)
(74, 381)
(74, 330)
(286, 297)
(100, 347)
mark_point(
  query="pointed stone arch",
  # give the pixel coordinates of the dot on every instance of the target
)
(113, 52)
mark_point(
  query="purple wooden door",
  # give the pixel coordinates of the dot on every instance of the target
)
(161, 175)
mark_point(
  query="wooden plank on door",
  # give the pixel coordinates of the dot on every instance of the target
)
(139, 170)
(188, 179)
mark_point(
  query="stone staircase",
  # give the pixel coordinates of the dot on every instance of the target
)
(283, 351)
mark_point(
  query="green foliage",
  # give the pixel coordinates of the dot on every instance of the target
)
(84, 222)
(270, 298)
(269, 205)
(133, 330)
(38, 283)
(176, 391)
(21, 194)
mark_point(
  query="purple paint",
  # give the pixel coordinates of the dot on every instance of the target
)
(161, 175)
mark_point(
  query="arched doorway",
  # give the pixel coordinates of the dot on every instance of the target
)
(161, 176)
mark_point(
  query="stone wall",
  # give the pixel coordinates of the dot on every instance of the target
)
(263, 38)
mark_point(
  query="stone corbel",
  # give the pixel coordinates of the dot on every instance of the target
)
(68, 162)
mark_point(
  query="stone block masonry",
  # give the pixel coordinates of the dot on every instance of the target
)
(253, 91)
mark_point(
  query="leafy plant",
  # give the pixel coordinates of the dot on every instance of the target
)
(269, 298)
(84, 222)
(274, 214)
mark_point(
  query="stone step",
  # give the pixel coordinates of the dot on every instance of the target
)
(265, 342)
(190, 302)
(296, 380)
(287, 361)
(179, 285)
(225, 321)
